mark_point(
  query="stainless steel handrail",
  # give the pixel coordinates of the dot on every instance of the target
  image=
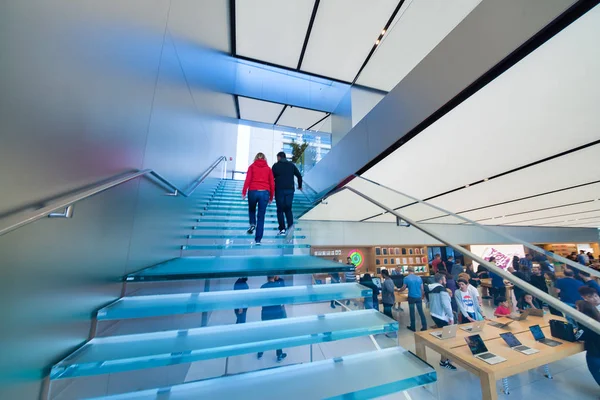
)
(66, 204)
(563, 260)
(559, 305)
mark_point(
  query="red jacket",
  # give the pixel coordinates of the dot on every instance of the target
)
(259, 177)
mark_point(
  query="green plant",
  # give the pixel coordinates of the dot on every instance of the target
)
(298, 151)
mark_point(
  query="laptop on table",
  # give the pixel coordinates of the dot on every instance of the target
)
(480, 351)
(536, 312)
(447, 332)
(539, 336)
(514, 343)
(520, 317)
(502, 325)
(476, 326)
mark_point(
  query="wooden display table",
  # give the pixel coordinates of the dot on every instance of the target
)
(515, 362)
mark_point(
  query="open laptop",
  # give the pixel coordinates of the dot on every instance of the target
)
(476, 326)
(447, 332)
(502, 325)
(539, 336)
(520, 317)
(514, 343)
(480, 351)
(536, 312)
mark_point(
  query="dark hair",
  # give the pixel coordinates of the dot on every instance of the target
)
(244, 279)
(492, 259)
(587, 291)
(583, 273)
(551, 275)
(438, 277)
(367, 277)
(588, 309)
(470, 267)
(500, 299)
(463, 281)
(569, 273)
(384, 272)
(281, 154)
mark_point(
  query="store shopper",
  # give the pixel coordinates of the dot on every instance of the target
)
(335, 278)
(260, 187)
(414, 284)
(590, 295)
(456, 270)
(567, 288)
(467, 301)
(240, 313)
(474, 279)
(350, 276)
(284, 172)
(526, 302)
(591, 339)
(388, 297)
(373, 301)
(269, 313)
(503, 309)
(440, 309)
(583, 258)
(589, 281)
(437, 264)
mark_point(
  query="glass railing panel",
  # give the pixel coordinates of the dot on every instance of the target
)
(236, 266)
(389, 371)
(245, 236)
(513, 258)
(132, 352)
(240, 246)
(216, 227)
(160, 305)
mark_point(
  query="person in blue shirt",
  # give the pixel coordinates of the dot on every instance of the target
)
(240, 313)
(582, 258)
(414, 284)
(526, 261)
(498, 287)
(273, 312)
(567, 288)
(589, 281)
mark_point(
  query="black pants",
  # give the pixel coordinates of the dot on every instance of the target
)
(241, 318)
(278, 351)
(284, 200)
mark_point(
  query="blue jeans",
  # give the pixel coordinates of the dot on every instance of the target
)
(260, 198)
(241, 317)
(284, 199)
(412, 302)
(593, 364)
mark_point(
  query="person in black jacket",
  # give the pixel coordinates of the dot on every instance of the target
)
(590, 338)
(240, 313)
(284, 172)
(269, 313)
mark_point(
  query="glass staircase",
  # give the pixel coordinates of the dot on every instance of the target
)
(215, 253)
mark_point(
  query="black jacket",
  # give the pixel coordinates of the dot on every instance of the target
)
(284, 172)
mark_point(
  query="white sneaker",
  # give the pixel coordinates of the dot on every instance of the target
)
(281, 232)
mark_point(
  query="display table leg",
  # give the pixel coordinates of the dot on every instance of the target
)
(420, 348)
(488, 387)
(547, 373)
(505, 386)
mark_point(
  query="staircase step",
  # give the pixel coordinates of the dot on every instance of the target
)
(236, 228)
(235, 220)
(358, 376)
(241, 246)
(246, 236)
(157, 349)
(188, 303)
(235, 266)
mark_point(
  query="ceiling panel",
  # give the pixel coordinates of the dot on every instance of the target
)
(301, 118)
(578, 218)
(342, 207)
(418, 28)
(204, 23)
(592, 222)
(258, 110)
(272, 30)
(343, 34)
(571, 211)
(516, 119)
(214, 103)
(323, 126)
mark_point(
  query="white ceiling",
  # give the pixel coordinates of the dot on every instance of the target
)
(343, 34)
(302, 118)
(418, 27)
(543, 106)
(272, 30)
(258, 110)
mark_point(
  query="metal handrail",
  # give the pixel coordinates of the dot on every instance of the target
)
(559, 305)
(66, 203)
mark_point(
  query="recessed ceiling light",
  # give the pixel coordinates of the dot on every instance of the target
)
(486, 179)
(377, 42)
(466, 186)
(383, 32)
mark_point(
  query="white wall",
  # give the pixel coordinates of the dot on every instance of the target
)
(363, 101)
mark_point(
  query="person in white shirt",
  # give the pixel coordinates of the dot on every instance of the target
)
(466, 297)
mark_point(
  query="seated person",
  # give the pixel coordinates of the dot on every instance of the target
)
(590, 295)
(527, 301)
(502, 310)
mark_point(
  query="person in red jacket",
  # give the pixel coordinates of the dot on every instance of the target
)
(260, 187)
